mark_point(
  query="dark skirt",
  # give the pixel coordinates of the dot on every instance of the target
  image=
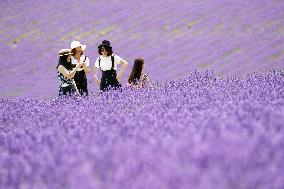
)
(81, 82)
(109, 81)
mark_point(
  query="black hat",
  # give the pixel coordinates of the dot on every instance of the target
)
(105, 43)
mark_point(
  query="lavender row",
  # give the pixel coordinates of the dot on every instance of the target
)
(174, 38)
(201, 131)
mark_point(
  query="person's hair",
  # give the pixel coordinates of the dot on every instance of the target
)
(63, 61)
(74, 52)
(109, 50)
(136, 71)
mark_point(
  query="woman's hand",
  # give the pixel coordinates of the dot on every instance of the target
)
(97, 80)
(118, 77)
(79, 65)
(73, 72)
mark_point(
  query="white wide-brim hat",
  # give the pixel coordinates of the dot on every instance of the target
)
(76, 44)
(63, 52)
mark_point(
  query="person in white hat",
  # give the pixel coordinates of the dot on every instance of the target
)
(77, 50)
(108, 63)
(66, 73)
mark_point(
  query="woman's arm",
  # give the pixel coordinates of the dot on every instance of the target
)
(122, 70)
(66, 73)
(95, 75)
(86, 68)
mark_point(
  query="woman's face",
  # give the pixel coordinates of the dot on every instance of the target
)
(69, 58)
(104, 52)
(79, 50)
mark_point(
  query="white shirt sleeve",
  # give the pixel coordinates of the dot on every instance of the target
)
(117, 59)
(73, 60)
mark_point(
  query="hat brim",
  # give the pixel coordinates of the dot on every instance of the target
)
(103, 45)
(82, 46)
(63, 52)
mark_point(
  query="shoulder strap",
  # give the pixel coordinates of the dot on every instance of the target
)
(112, 61)
(85, 58)
(100, 62)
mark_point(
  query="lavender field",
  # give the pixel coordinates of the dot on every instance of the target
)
(212, 118)
(201, 131)
(174, 37)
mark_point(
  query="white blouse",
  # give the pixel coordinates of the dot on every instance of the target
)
(106, 62)
(82, 58)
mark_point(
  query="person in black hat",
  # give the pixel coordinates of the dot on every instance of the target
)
(66, 73)
(108, 62)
